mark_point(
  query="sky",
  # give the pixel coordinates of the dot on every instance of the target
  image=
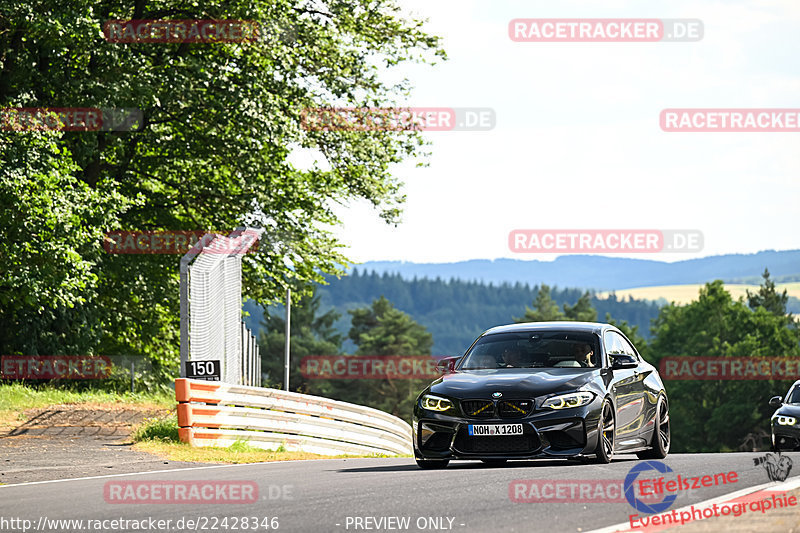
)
(577, 142)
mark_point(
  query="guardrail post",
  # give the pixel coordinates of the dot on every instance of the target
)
(183, 395)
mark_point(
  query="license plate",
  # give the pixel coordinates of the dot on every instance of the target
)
(494, 430)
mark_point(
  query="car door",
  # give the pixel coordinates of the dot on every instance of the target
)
(627, 390)
(642, 407)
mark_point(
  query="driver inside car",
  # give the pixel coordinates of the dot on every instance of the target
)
(583, 354)
(513, 357)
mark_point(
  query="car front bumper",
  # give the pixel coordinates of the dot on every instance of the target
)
(546, 433)
(785, 437)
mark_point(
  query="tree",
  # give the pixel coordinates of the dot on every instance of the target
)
(582, 311)
(312, 333)
(382, 330)
(544, 308)
(49, 229)
(768, 298)
(365, 319)
(222, 123)
(456, 312)
(713, 416)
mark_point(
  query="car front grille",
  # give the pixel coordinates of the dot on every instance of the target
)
(478, 408)
(514, 408)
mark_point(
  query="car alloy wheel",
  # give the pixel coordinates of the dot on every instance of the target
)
(662, 434)
(605, 441)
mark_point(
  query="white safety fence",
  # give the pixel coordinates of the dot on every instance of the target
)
(218, 414)
(211, 307)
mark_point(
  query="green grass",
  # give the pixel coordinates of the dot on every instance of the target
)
(17, 397)
(239, 452)
(160, 429)
(242, 446)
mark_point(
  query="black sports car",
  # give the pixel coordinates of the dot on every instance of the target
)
(786, 420)
(543, 389)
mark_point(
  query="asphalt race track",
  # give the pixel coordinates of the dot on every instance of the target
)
(361, 495)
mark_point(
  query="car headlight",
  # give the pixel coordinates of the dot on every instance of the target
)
(786, 420)
(566, 401)
(436, 403)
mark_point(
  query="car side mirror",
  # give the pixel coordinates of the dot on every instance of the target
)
(447, 365)
(776, 401)
(622, 360)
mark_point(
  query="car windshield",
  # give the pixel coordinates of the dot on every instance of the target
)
(533, 349)
(794, 395)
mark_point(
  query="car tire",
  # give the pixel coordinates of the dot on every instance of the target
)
(606, 432)
(662, 435)
(494, 462)
(432, 464)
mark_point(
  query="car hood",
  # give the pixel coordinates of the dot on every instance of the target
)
(788, 410)
(512, 382)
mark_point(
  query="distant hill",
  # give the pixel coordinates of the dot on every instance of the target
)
(604, 273)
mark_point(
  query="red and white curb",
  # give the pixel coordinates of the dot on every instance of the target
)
(744, 496)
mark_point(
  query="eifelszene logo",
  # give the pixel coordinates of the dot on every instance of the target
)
(639, 504)
(650, 489)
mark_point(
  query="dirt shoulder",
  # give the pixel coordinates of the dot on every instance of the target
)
(76, 440)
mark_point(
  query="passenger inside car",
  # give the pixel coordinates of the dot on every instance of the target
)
(484, 361)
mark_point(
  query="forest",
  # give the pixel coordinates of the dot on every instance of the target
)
(707, 416)
(455, 311)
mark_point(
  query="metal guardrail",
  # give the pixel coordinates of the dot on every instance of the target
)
(219, 414)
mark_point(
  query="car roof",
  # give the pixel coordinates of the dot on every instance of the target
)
(561, 325)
